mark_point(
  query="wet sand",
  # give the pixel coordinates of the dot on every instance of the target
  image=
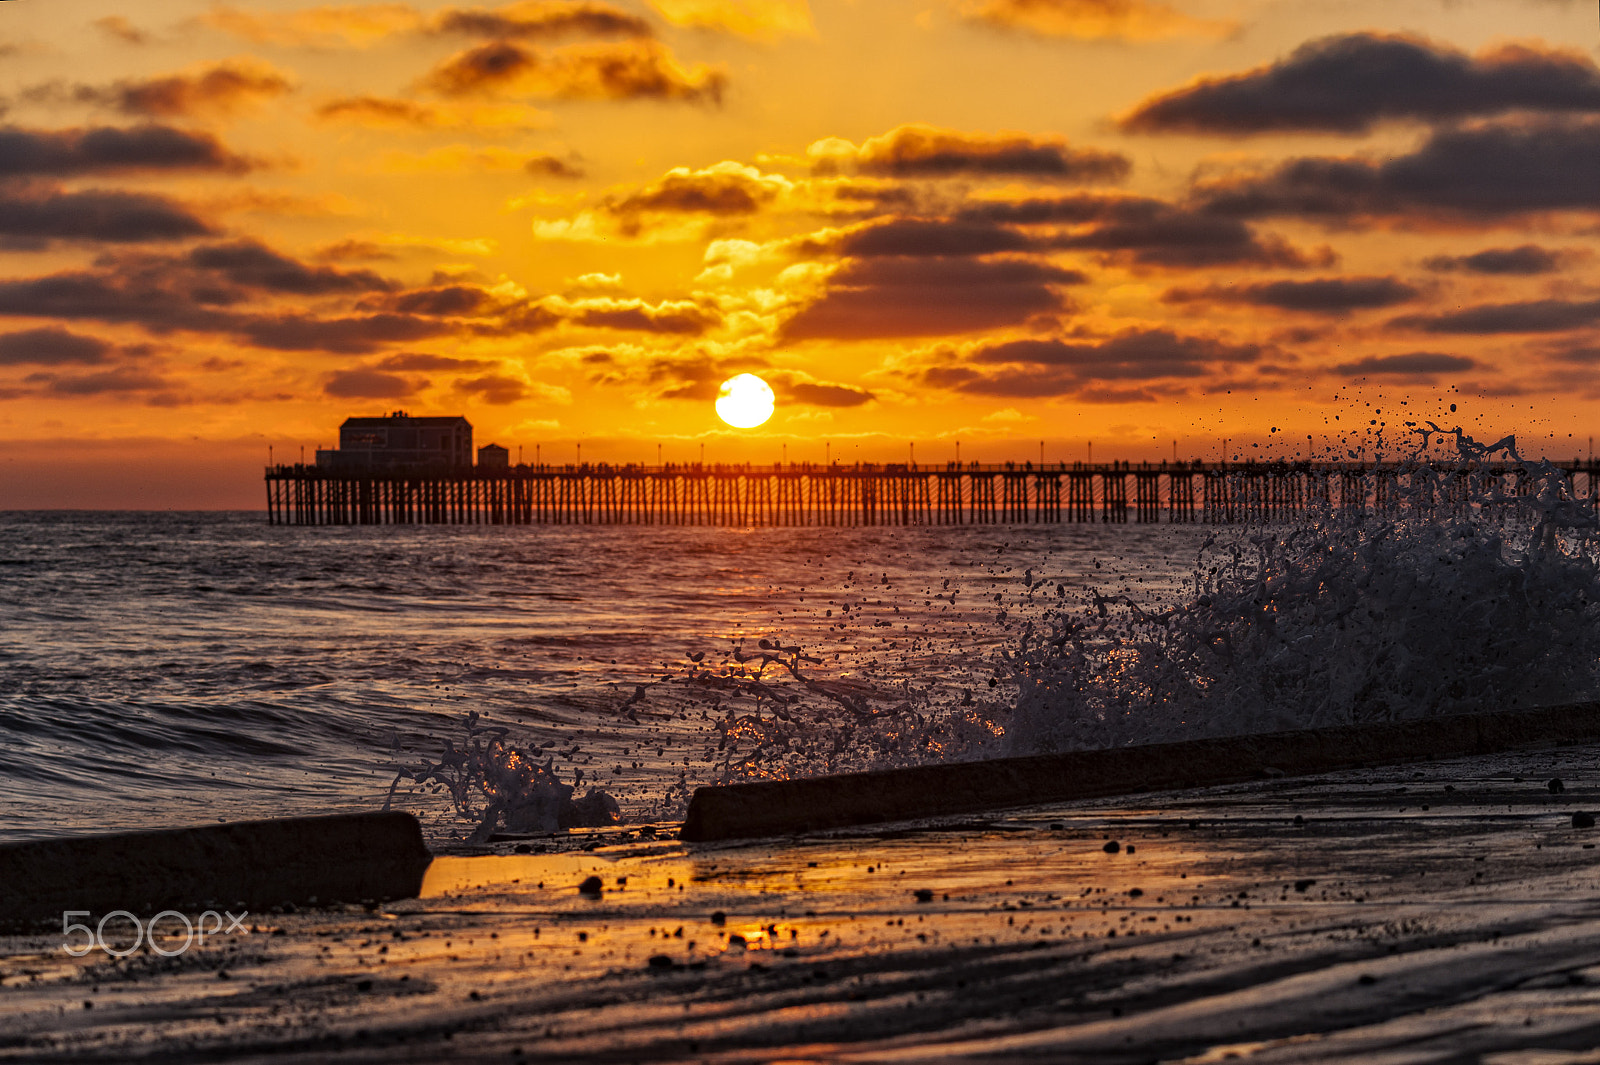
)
(1440, 911)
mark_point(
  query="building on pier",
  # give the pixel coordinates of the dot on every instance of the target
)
(401, 441)
(494, 457)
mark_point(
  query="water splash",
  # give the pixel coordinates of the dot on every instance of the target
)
(1478, 590)
(498, 785)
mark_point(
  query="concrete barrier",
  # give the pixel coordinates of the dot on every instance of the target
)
(252, 865)
(782, 807)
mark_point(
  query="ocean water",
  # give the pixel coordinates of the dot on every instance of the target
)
(162, 669)
(171, 669)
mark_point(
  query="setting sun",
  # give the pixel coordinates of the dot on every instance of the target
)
(745, 401)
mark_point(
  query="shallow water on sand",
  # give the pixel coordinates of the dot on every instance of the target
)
(161, 669)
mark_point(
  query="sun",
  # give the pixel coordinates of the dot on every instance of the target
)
(745, 401)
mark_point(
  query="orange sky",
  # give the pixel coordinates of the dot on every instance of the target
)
(227, 226)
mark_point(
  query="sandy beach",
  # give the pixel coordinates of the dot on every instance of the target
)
(1443, 911)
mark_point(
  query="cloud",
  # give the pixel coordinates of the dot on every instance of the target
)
(32, 218)
(1482, 172)
(1532, 316)
(417, 361)
(906, 297)
(443, 301)
(1415, 364)
(350, 335)
(495, 389)
(119, 28)
(673, 318)
(929, 236)
(1349, 83)
(120, 380)
(540, 20)
(215, 89)
(1129, 20)
(930, 151)
(384, 112)
(543, 165)
(674, 207)
(217, 290)
(1140, 231)
(1329, 295)
(625, 70)
(254, 265)
(1158, 360)
(67, 152)
(726, 188)
(50, 346)
(1524, 260)
(824, 395)
(1151, 233)
(369, 384)
(760, 20)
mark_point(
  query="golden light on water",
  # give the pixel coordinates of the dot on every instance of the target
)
(745, 401)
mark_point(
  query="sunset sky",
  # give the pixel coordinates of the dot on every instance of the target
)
(225, 227)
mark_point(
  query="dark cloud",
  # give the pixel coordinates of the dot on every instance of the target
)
(254, 265)
(1139, 230)
(418, 361)
(928, 151)
(1484, 171)
(33, 217)
(904, 297)
(353, 335)
(629, 70)
(103, 295)
(1346, 84)
(64, 152)
(1525, 259)
(552, 166)
(540, 20)
(222, 88)
(447, 301)
(1173, 238)
(50, 346)
(930, 237)
(825, 395)
(1329, 295)
(165, 294)
(1415, 364)
(1532, 316)
(121, 380)
(1036, 368)
(368, 384)
(495, 389)
(1139, 354)
(716, 191)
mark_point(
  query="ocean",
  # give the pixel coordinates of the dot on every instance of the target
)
(166, 669)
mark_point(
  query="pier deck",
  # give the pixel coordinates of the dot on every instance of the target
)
(872, 494)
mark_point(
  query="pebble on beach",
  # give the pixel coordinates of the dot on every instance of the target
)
(592, 886)
(1555, 786)
(1112, 847)
(1582, 820)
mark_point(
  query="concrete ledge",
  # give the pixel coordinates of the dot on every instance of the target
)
(783, 807)
(256, 864)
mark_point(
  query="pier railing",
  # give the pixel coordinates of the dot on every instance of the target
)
(802, 494)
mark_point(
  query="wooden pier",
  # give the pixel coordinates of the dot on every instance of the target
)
(873, 494)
